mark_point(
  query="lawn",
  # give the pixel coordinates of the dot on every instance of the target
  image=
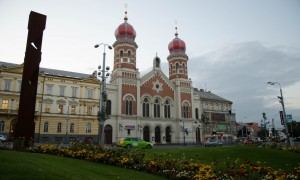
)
(24, 165)
(277, 159)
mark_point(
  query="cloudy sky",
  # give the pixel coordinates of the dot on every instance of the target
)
(235, 47)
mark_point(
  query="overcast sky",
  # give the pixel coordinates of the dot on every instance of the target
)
(235, 47)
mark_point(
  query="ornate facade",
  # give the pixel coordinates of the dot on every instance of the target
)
(155, 107)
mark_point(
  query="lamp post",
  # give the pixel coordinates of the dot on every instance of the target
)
(283, 109)
(183, 130)
(101, 112)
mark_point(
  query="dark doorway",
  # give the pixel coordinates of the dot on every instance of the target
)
(168, 134)
(108, 134)
(146, 134)
(157, 134)
(198, 138)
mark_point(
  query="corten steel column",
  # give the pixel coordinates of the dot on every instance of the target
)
(25, 123)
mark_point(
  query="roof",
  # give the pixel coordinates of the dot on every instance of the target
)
(53, 72)
(209, 95)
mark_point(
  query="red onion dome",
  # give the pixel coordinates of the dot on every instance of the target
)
(177, 45)
(125, 30)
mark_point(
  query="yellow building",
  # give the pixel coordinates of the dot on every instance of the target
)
(66, 105)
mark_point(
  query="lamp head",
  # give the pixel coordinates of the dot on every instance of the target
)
(271, 83)
(109, 47)
(96, 46)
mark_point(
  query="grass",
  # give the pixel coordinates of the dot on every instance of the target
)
(274, 158)
(22, 165)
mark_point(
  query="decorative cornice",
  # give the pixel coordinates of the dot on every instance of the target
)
(125, 41)
(174, 55)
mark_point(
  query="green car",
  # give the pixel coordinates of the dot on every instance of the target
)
(130, 142)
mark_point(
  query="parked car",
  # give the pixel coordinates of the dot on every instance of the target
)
(212, 143)
(130, 142)
(253, 141)
(2, 138)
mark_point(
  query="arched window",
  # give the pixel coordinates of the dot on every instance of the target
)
(88, 128)
(128, 105)
(177, 68)
(167, 109)
(129, 56)
(156, 108)
(146, 108)
(183, 68)
(108, 107)
(46, 127)
(171, 69)
(72, 127)
(2, 123)
(58, 129)
(121, 56)
(197, 113)
(185, 110)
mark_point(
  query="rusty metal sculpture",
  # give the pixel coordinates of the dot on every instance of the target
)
(25, 124)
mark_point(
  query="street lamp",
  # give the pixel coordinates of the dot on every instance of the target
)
(101, 113)
(284, 114)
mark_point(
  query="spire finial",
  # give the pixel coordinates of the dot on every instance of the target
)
(125, 17)
(176, 33)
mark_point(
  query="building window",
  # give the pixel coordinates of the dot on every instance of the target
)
(73, 109)
(72, 127)
(89, 110)
(128, 56)
(4, 104)
(62, 90)
(49, 89)
(60, 108)
(7, 85)
(177, 67)
(59, 127)
(19, 85)
(2, 123)
(183, 68)
(46, 127)
(90, 94)
(185, 110)
(156, 108)
(121, 56)
(74, 92)
(88, 128)
(167, 109)
(108, 107)
(128, 106)
(146, 108)
(128, 131)
(197, 113)
(48, 108)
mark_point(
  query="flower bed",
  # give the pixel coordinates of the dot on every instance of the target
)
(165, 165)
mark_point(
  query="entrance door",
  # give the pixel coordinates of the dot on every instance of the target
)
(146, 134)
(157, 134)
(108, 134)
(168, 134)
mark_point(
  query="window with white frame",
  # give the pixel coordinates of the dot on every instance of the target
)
(128, 56)
(121, 56)
(128, 106)
(49, 89)
(4, 104)
(90, 94)
(74, 91)
(88, 128)
(156, 108)
(89, 110)
(62, 90)
(167, 109)
(185, 110)
(58, 127)
(48, 108)
(46, 125)
(73, 109)
(60, 108)
(7, 84)
(146, 107)
(2, 124)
